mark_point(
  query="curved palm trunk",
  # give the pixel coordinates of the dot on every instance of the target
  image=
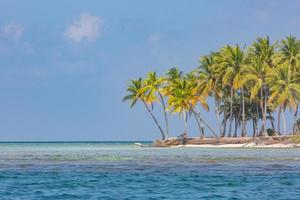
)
(200, 121)
(165, 114)
(218, 115)
(201, 131)
(155, 120)
(208, 126)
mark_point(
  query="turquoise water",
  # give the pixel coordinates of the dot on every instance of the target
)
(122, 171)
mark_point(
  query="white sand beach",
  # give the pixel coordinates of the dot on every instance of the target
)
(247, 145)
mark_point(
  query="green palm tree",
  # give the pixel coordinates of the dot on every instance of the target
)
(153, 88)
(260, 63)
(179, 99)
(230, 63)
(209, 84)
(137, 93)
(290, 55)
(183, 98)
(284, 89)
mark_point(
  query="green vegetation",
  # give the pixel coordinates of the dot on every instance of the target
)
(248, 85)
(296, 139)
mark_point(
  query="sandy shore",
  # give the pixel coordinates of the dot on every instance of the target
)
(247, 145)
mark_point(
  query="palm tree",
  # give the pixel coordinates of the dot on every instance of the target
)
(153, 88)
(284, 89)
(230, 62)
(260, 64)
(180, 99)
(183, 98)
(246, 86)
(136, 92)
(290, 55)
(209, 84)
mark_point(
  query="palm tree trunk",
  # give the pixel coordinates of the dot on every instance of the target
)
(200, 120)
(165, 114)
(243, 114)
(272, 121)
(256, 120)
(235, 127)
(263, 126)
(265, 112)
(278, 120)
(295, 118)
(185, 122)
(231, 110)
(253, 126)
(155, 120)
(208, 126)
(199, 126)
(284, 121)
(218, 115)
(224, 126)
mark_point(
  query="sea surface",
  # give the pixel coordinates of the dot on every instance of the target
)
(120, 170)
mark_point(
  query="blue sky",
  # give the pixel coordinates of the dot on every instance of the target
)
(64, 65)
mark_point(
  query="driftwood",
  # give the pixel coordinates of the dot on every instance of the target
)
(267, 140)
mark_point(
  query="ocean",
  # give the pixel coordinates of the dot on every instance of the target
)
(120, 170)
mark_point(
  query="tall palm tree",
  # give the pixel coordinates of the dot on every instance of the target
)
(180, 99)
(136, 92)
(183, 98)
(153, 88)
(209, 84)
(284, 89)
(290, 55)
(261, 56)
(230, 62)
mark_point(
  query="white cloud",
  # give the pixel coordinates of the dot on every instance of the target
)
(12, 30)
(154, 38)
(86, 27)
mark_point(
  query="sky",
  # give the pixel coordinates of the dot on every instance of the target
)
(65, 65)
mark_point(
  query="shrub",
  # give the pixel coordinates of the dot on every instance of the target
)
(270, 132)
(296, 139)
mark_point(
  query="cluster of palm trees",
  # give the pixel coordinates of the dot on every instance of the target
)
(248, 85)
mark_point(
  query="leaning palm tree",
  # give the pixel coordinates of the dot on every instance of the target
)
(183, 98)
(136, 92)
(285, 90)
(209, 84)
(179, 100)
(153, 87)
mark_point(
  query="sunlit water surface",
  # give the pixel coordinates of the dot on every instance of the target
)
(120, 170)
